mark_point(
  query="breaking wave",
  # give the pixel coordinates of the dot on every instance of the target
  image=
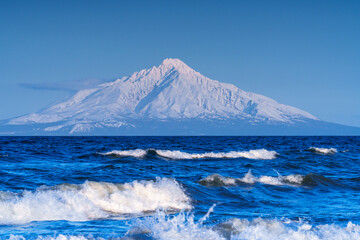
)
(292, 180)
(323, 150)
(184, 226)
(138, 153)
(174, 154)
(91, 200)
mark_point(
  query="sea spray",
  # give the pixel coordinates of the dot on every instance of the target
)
(183, 226)
(92, 200)
(176, 227)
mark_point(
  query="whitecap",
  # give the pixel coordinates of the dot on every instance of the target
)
(249, 178)
(183, 226)
(252, 154)
(138, 153)
(92, 200)
(292, 179)
(177, 155)
(264, 229)
(323, 150)
(217, 180)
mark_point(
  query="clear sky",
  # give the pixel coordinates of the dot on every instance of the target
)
(301, 53)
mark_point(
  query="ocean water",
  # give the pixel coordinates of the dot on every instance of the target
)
(179, 188)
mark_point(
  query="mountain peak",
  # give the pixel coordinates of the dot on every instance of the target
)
(172, 91)
(174, 63)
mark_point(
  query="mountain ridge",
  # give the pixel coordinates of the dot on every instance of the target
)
(171, 92)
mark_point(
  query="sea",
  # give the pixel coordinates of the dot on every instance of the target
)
(144, 188)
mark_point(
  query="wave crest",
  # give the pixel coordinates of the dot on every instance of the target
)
(183, 226)
(175, 154)
(138, 153)
(264, 229)
(92, 200)
(218, 180)
(323, 150)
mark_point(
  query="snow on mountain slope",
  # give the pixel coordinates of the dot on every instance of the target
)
(171, 91)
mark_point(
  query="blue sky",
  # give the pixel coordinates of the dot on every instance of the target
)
(301, 53)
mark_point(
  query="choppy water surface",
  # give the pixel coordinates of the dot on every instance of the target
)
(180, 188)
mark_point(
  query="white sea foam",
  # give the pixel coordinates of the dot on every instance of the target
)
(323, 150)
(183, 226)
(293, 179)
(249, 178)
(178, 227)
(92, 200)
(282, 180)
(218, 180)
(59, 237)
(138, 153)
(174, 154)
(263, 229)
(252, 154)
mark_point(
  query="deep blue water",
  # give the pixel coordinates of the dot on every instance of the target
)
(91, 188)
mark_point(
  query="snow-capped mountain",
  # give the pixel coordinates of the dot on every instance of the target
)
(170, 93)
